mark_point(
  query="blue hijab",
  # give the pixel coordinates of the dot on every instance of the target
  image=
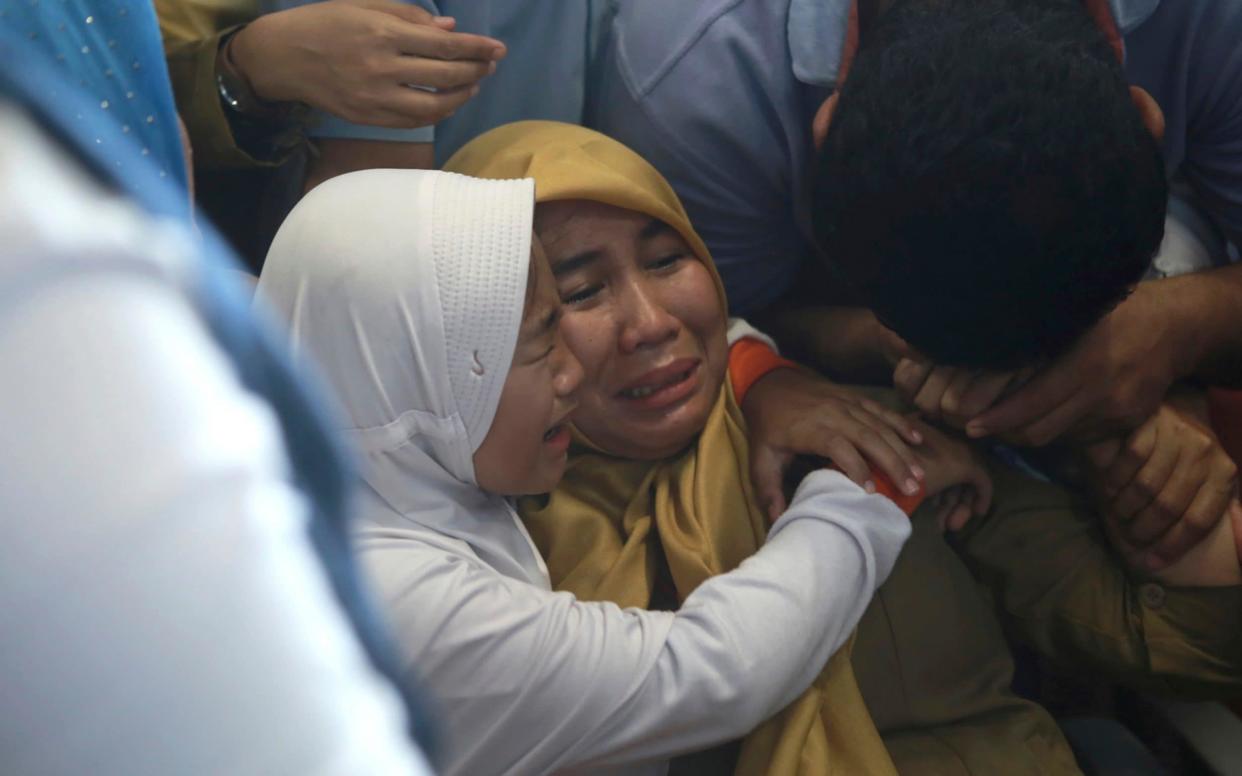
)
(110, 52)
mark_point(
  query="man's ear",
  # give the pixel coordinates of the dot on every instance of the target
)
(1150, 112)
(823, 117)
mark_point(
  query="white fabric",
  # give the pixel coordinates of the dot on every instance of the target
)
(529, 681)
(740, 329)
(406, 288)
(161, 607)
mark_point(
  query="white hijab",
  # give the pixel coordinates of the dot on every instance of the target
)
(406, 288)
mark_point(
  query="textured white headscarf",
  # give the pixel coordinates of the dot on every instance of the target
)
(406, 288)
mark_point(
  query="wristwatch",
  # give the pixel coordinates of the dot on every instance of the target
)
(236, 94)
(262, 128)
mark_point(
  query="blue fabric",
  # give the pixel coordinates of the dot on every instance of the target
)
(543, 76)
(111, 51)
(719, 95)
(320, 467)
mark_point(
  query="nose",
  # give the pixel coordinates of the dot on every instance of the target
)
(569, 373)
(645, 320)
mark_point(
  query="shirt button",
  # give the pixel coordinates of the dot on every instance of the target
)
(1152, 595)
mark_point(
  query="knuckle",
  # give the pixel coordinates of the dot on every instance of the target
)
(1146, 486)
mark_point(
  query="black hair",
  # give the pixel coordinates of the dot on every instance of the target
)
(987, 183)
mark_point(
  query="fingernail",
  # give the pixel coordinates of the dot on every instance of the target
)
(869, 486)
(442, 19)
(474, 90)
(916, 436)
(918, 472)
(976, 430)
(912, 487)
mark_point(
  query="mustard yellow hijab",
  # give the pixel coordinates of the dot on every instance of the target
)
(647, 533)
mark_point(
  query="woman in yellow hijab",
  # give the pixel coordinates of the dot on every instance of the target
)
(657, 496)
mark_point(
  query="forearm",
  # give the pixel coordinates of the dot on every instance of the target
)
(846, 342)
(746, 643)
(1205, 314)
(337, 156)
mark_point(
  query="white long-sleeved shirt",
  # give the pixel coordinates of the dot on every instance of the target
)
(161, 608)
(530, 681)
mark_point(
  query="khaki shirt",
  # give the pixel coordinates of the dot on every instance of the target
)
(933, 663)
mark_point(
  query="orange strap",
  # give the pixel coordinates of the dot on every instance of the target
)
(885, 487)
(750, 359)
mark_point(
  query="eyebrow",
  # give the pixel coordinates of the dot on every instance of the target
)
(653, 229)
(575, 262)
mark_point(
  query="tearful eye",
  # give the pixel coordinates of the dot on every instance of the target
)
(664, 262)
(581, 295)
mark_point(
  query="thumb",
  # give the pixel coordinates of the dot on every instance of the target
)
(767, 472)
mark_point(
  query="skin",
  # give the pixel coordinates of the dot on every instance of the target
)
(636, 299)
(354, 59)
(517, 457)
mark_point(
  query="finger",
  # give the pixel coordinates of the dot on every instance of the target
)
(982, 485)
(767, 473)
(1167, 508)
(882, 447)
(960, 515)
(951, 400)
(440, 74)
(1210, 505)
(898, 422)
(908, 377)
(1130, 460)
(410, 13)
(1147, 484)
(929, 396)
(1045, 393)
(850, 462)
(945, 502)
(982, 393)
(421, 40)
(1049, 427)
(416, 107)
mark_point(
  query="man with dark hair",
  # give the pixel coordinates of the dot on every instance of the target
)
(988, 228)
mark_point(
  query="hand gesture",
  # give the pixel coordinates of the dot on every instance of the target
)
(1166, 486)
(793, 412)
(956, 480)
(357, 59)
(1112, 380)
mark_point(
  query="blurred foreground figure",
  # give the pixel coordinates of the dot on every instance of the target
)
(175, 589)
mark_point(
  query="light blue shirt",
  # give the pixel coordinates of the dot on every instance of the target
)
(720, 95)
(543, 75)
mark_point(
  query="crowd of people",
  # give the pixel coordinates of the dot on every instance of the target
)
(765, 387)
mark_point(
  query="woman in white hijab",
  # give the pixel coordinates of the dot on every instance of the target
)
(407, 288)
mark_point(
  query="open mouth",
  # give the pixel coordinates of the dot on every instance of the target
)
(644, 391)
(665, 386)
